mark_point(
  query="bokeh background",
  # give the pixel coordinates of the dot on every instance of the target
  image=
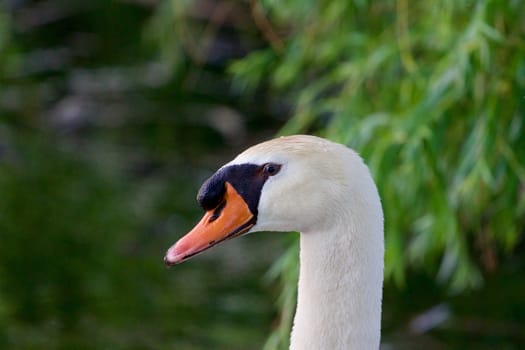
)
(113, 112)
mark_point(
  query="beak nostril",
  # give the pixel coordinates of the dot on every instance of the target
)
(217, 212)
(214, 217)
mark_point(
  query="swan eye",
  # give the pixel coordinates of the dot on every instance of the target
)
(271, 169)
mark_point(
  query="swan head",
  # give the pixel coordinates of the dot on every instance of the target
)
(295, 183)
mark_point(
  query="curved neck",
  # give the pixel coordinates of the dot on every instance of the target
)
(340, 287)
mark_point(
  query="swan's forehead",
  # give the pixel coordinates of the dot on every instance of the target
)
(258, 157)
(285, 149)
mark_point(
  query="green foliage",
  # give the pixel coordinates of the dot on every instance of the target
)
(54, 214)
(100, 158)
(4, 30)
(432, 102)
(432, 96)
(286, 270)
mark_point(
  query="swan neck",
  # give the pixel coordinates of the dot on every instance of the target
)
(340, 288)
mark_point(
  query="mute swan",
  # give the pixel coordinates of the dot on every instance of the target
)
(323, 190)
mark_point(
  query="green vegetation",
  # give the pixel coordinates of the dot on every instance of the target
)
(112, 114)
(432, 95)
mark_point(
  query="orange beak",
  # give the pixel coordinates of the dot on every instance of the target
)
(229, 219)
